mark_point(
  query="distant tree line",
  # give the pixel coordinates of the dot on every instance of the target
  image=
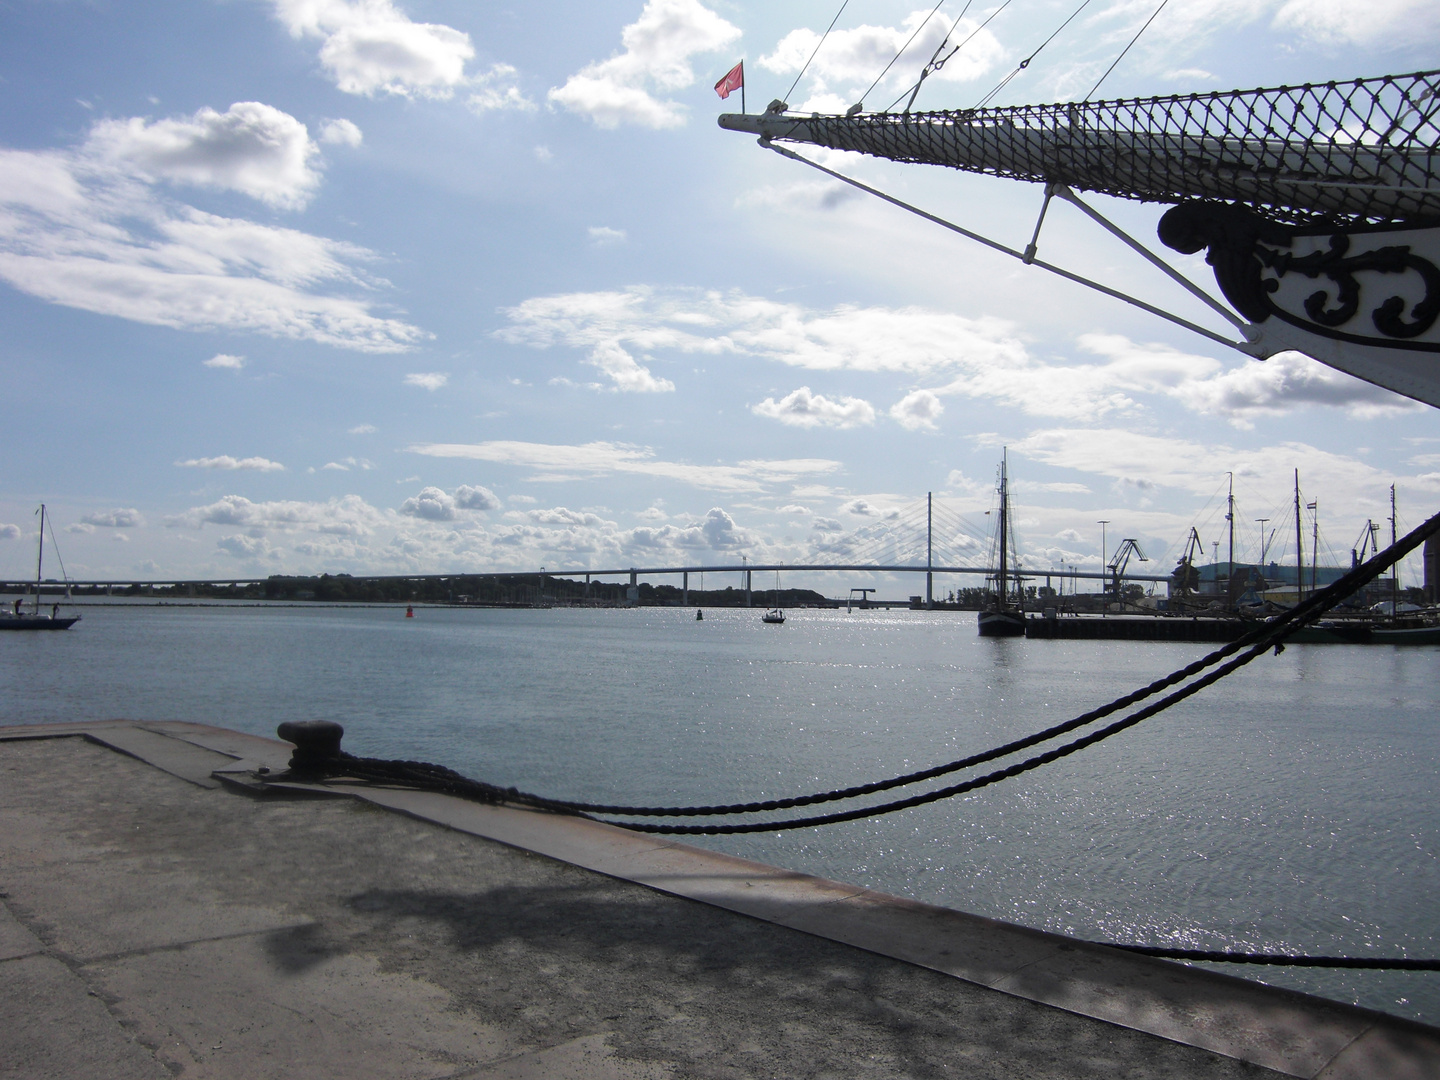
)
(504, 590)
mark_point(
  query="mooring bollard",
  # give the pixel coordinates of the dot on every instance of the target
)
(317, 742)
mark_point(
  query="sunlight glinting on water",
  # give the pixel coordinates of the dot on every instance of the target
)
(1292, 808)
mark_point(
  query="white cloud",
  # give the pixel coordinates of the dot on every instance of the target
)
(363, 429)
(689, 321)
(427, 380)
(628, 374)
(825, 524)
(252, 148)
(226, 361)
(918, 409)
(9, 532)
(77, 229)
(225, 461)
(1141, 462)
(853, 57)
(862, 508)
(119, 518)
(601, 235)
(800, 195)
(1281, 384)
(1376, 22)
(658, 48)
(349, 516)
(469, 497)
(544, 153)
(341, 132)
(370, 46)
(496, 89)
(247, 547)
(599, 458)
(801, 408)
(334, 466)
(432, 504)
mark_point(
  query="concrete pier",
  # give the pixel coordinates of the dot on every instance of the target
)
(163, 915)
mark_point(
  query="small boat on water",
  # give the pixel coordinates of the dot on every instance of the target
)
(17, 619)
(1001, 617)
(775, 616)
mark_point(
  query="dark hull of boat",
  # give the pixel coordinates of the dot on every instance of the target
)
(1406, 635)
(36, 622)
(1002, 624)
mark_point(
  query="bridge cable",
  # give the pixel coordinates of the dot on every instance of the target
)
(1251, 645)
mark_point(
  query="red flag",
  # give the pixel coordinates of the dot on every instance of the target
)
(734, 79)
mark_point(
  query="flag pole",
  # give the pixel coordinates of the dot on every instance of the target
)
(742, 88)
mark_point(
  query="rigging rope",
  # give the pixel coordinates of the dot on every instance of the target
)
(948, 56)
(1026, 62)
(823, 36)
(901, 52)
(1125, 50)
(930, 65)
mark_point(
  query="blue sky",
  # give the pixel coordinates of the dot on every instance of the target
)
(372, 286)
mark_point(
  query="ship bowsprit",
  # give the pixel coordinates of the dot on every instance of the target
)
(1318, 206)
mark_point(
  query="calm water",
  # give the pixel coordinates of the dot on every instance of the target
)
(1294, 807)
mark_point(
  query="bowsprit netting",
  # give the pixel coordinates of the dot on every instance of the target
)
(1329, 154)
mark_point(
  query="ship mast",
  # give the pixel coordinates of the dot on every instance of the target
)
(1299, 541)
(1003, 581)
(1395, 566)
(40, 557)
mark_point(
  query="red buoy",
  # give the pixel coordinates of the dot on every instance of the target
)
(409, 611)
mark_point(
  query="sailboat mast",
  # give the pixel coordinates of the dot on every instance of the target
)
(1395, 566)
(1315, 546)
(40, 558)
(929, 550)
(1004, 578)
(1299, 541)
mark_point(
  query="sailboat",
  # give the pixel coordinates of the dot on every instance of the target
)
(774, 616)
(1001, 618)
(17, 619)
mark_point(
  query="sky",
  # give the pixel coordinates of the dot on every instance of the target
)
(405, 286)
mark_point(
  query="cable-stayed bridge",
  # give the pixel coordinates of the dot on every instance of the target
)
(928, 537)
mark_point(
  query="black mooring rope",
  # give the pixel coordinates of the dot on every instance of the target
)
(1388, 963)
(438, 778)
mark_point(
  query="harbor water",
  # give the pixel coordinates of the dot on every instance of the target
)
(1295, 807)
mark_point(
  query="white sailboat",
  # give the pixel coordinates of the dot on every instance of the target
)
(775, 616)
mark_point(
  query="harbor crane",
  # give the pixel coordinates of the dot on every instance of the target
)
(1185, 578)
(1369, 541)
(1118, 564)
